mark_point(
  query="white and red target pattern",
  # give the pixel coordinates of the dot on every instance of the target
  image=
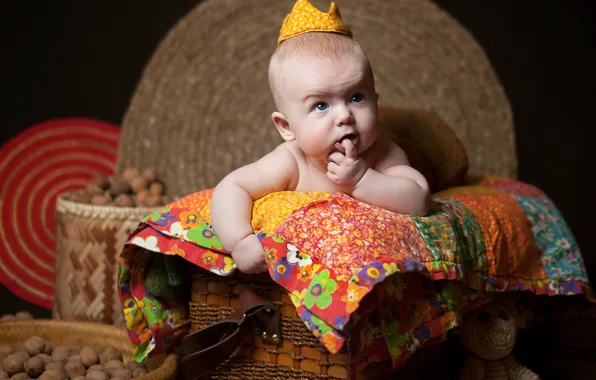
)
(35, 167)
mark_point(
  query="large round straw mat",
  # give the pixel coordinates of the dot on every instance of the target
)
(36, 166)
(203, 105)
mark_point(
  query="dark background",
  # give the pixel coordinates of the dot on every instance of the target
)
(83, 58)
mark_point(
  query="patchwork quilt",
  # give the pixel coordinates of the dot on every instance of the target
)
(392, 282)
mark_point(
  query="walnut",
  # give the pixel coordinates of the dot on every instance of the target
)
(124, 200)
(122, 373)
(95, 367)
(133, 364)
(73, 369)
(99, 200)
(139, 372)
(3, 374)
(34, 366)
(153, 200)
(35, 346)
(141, 196)
(138, 183)
(112, 365)
(20, 376)
(13, 364)
(89, 356)
(78, 378)
(156, 188)
(149, 175)
(23, 316)
(81, 197)
(101, 181)
(22, 354)
(53, 374)
(129, 173)
(119, 187)
(61, 354)
(46, 358)
(7, 317)
(75, 359)
(59, 366)
(96, 375)
(110, 353)
(94, 190)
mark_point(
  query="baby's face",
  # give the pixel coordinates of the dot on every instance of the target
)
(328, 100)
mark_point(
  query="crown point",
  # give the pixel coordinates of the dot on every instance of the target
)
(310, 19)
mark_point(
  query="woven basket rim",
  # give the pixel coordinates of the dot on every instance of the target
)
(167, 369)
(56, 324)
(65, 205)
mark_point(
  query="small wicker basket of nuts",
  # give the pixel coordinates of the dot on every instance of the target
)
(59, 350)
(92, 226)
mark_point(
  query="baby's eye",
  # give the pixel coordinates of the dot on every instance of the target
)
(357, 98)
(321, 106)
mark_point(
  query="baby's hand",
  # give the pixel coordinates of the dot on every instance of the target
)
(345, 170)
(249, 255)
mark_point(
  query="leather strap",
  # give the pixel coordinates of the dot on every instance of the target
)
(202, 351)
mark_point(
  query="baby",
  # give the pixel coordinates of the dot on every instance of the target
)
(324, 92)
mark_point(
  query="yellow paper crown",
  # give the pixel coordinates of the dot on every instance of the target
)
(305, 18)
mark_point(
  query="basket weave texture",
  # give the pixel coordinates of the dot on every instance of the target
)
(202, 107)
(300, 355)
(89, 239)
(213, 300)
(69, 333)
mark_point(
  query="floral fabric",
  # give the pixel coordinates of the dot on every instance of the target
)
(385, 284)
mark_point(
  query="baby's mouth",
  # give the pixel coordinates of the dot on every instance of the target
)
(352, 137)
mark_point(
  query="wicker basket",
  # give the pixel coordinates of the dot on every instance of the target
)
(300, 356)
(89, 239)
(68, 333)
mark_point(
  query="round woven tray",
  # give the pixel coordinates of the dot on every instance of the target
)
(59, 333)
(203, 105)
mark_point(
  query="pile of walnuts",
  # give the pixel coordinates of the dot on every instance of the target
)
(18, 316)
(131, 189)
(36, 359)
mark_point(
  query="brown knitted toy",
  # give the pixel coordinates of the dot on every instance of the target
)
(489, 333)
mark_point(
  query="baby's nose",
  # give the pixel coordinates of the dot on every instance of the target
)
(344, 117)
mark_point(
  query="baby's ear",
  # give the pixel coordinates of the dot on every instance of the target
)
(282, 125)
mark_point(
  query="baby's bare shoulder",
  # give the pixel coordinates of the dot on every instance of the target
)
(386, 153)
(283, 161)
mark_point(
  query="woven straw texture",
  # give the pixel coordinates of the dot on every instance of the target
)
(68, 333)
(89, 239)
(300, 355)
(202, 107)
(213, 300)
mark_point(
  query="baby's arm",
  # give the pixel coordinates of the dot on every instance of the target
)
(232, 200)
(393, 184)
